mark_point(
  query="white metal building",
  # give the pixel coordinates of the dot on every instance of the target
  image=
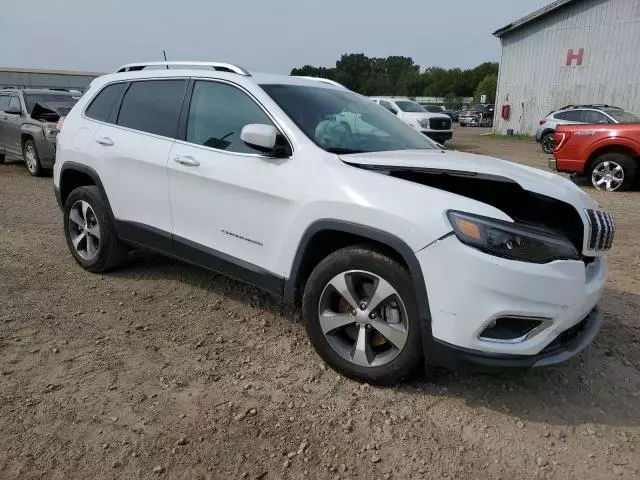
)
(569, 52)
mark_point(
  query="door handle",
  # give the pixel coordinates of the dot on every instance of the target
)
(106, 141)
(4, 117)
(187, 160)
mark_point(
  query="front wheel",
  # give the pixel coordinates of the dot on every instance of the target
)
(361, 315)
(31, 158)
(547, 143)
(613, 172)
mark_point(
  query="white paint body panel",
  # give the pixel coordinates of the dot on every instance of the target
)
(272, 202)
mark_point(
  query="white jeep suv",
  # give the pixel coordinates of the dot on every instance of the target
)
(436, 126)
(396, 250)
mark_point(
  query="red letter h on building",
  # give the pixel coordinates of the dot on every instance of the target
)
(574, 56)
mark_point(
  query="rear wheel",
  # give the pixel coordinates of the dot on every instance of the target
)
(89, 231)
(361, 315)
(613, 172)
(547, 143)
(1, 158)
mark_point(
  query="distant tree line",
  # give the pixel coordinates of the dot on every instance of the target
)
(400, 76)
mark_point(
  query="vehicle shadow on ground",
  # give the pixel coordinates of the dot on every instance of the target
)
(601, 385)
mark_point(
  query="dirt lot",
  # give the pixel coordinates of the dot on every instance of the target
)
(162, 370)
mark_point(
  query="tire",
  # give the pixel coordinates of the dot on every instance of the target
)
(31, 158)
(1, 158)
(383, 362)
(546, 142)
(613, 172)
(109, 251)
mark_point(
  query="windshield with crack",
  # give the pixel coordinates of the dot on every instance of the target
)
(340, 121)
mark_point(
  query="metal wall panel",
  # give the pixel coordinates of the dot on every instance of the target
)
(534, 78)
(44, 80)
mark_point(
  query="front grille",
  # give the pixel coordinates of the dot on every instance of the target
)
(440, 123)
(601, 230)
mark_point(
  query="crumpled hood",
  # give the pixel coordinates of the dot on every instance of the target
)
(466, 164)
(51, 111)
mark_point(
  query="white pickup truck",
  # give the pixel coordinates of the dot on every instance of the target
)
(436, 126)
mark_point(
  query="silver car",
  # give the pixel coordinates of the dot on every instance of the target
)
(572, 114)
(28, 125)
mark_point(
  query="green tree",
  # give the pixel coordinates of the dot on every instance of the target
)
(488, 87)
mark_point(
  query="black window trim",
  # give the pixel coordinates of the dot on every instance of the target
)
(184, 117)
(115, 112)
(116, 104)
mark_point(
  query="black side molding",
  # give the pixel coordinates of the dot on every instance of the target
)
(199, 255)
(380, 236)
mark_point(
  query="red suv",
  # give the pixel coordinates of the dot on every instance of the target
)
(609, 154)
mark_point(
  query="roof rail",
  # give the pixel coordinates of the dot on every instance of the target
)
(225, 67)
(594, 105)
(323, 80)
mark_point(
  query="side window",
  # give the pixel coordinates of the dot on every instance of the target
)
(102, 105)
(388, 106)
(217, 114)
(593, 116)
(570, 116)
(4, 102)
(15, 102)
(153, 106)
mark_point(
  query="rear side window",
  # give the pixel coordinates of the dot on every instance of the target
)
(571, 115)
(101, 106)
(4, 102)
(593, 116)
(153, 106)
(217, 114)
(14, 102)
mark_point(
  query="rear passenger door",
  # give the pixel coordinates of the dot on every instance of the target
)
(130, 151)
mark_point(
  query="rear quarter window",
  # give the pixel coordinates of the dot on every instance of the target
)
(103, 104)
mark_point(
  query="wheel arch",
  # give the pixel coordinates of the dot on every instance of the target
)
(611, 148)
(74, 175)
(326, 236)
(547, 131)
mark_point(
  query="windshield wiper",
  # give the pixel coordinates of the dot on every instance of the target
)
(343, 151)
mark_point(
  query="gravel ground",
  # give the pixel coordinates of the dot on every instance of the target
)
(163, 370)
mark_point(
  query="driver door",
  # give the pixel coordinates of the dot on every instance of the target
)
(231, 206)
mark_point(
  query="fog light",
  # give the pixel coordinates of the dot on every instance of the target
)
(513, 329)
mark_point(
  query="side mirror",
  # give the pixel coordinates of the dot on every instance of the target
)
(394, 111)
(13, 110)
(265, 139)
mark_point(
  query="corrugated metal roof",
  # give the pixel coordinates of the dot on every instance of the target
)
(48, 72)
(552, 7)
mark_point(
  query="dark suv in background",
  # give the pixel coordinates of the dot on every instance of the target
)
(28, 124)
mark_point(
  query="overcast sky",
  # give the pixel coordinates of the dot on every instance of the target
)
(261, 35)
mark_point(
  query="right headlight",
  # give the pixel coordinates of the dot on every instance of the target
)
(511, 240)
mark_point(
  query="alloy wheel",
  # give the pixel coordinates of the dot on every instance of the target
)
(547, 144)
(84, 230)
(30, 158)
(363, 318)
(607, 176)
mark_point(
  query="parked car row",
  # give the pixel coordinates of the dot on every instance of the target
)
(579, 114)
(397, 251)
(480, 115)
